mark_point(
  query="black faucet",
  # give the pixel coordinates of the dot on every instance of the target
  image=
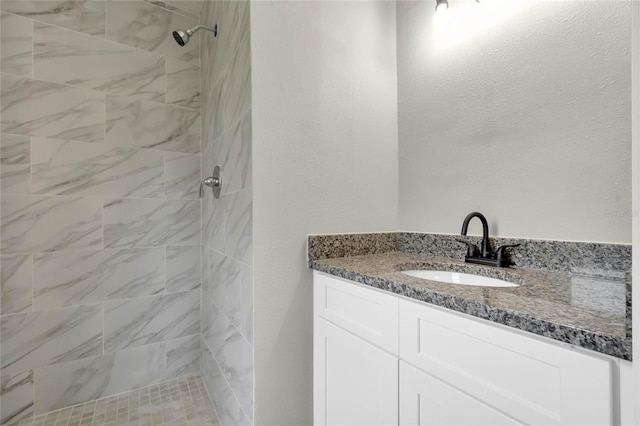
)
(486, 255)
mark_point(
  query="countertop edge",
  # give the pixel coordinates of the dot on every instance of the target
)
(608, 345)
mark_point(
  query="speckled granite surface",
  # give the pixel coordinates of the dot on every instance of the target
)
(594, 259)
(591, 311)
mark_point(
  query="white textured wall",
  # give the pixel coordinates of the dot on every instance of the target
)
(325, 150)
(523, 114)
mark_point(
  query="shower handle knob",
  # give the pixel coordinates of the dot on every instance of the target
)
(214, 182)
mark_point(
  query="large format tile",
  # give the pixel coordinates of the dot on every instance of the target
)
(214, 221)
(246, 303)
(41, 224)
(233, 150)
(16, 283)
(65, 279)
(183, 268)
(77, 168)
(227, 406)
(235, 95)
(146, 124)
(15, 163)
(191, 7)
(79, 60)
(213, 324)
(236, 361)
(86, 16)
(50, 337)
(225, 279)
(233, 20)
(183, 83)
(232, 352)
(39, 108)
(149, 27)
(16, 397)
(151, 223)
(143, 321)
(239, 226)
(182, 175)
(183, 357)
(75, 382)
(16, 44)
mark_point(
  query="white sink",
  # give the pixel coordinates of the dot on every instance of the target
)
(459, 278)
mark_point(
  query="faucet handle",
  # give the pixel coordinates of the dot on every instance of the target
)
(501, 252)
(472, 249)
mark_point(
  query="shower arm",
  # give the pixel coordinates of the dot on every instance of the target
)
(214, 30)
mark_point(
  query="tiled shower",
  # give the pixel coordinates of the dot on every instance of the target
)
(114, 274)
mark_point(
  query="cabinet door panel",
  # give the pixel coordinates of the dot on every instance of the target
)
(530, 380)
(428, 401)
(355, 383)
(370, 314)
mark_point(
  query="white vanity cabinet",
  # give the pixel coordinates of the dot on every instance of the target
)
(382, 359)
(355, 355)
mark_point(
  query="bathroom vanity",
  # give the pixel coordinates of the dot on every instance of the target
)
(395, 349)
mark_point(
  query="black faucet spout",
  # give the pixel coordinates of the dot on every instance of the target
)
(486, 244)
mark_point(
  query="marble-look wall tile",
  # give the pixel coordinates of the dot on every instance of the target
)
(16, 45)
(39, 108)
(214, 219)
(231, 350)
(240, 226)
(77, 168)
(32, 223)
(246, 302)
(65, 279)
(213, 324)
(192, 7)
(146, 124)
(41, 338)
(183, 268)
(16, 283)
(233, 16)
(227, 406)
(225, 279)
(85, 16)
(149, 27)
(183, 357)
(68, 57)
(151, 223)
(149, 320)
(236, 361)
(235, 98)
(15, 157)
(233, 149)
(183, 83)
(16, 397)
(75, 382)
(182, 175)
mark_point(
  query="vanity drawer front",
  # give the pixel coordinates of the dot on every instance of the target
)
(363, 311)
(530, 380)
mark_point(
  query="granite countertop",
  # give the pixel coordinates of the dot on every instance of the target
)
(586, 311)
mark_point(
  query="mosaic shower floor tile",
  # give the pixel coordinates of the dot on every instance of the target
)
(179, 402)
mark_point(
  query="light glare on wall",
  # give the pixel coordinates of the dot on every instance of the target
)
(442, 13)
(466, 20)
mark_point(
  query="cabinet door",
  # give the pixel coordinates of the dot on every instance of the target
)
(426, 400)
(355, 383)
(537, 382)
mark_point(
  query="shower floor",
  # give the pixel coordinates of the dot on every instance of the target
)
(179, 402)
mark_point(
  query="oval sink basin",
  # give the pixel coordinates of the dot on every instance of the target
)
(459, 278)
